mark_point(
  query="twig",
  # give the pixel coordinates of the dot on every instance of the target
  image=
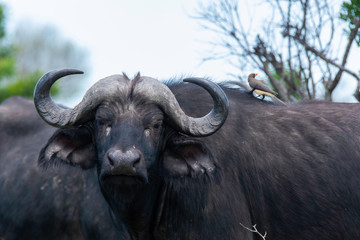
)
(254, 230)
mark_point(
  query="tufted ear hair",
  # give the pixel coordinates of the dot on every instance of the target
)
(73, 147)
(187, 157)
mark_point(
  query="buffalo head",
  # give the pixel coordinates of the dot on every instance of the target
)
(125, 127)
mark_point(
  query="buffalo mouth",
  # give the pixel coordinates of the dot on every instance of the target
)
(123, 180)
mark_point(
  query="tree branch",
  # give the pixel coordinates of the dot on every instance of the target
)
(352, 36)
(322, 56)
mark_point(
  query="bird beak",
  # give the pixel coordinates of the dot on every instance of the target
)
(256, 74)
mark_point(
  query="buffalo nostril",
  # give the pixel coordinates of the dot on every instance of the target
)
(111, 158)
(129, 163)
(127, 159)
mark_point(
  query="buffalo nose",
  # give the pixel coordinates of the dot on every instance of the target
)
(124, 161)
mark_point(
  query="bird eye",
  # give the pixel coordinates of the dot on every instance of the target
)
(107, 130)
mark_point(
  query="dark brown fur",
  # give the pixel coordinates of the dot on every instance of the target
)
(60, 203)
(292, 170)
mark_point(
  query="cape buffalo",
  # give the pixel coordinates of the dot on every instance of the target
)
(60, 204)
(293, 170)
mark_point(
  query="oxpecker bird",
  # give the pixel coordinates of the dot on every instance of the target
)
(258, 84)
(260, 88)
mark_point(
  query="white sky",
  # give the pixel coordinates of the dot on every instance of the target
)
(155, 37)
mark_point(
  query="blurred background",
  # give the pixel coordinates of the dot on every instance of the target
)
(304, 49)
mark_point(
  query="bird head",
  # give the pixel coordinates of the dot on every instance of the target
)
(252, 75)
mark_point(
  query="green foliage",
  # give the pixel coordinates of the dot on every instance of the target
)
(7, 60)
(11, 83)
(23, 87)
(350, 12)
(7, 66)
(2, 21)
(28, 55)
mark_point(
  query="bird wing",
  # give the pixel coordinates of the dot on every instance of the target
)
(262, 81)
(263, 87)
(260, 84)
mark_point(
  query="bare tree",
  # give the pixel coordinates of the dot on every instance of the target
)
(295, 48)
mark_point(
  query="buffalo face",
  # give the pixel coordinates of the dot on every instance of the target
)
(128, 139)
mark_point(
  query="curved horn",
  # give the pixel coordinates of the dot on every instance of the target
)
(160, 94)
(49, 111)
(61, 117)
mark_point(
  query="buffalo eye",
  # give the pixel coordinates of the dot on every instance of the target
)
(157, 125)
(104, 124)
(152, 129)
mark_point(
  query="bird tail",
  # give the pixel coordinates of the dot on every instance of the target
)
(259, 92)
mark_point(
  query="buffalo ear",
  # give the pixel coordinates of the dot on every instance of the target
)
(69, 146)
(187, 157)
